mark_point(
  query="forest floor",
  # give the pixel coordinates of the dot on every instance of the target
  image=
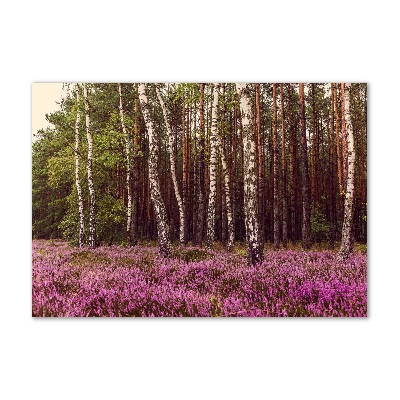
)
(136, 281)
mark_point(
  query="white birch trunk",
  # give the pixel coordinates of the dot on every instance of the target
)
(346, 245)
(128, 147)
(250, 177)
(173, 171)
(213, 173)
(158, 204)
(92, 209)
(231, 233)
(77, 169)
(225, 173)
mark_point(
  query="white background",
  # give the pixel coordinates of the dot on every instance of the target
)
(192, 358)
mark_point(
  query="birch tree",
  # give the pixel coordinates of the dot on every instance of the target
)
(346, 245)
(212, 172)
(128, 149)
(225, 173)
(255, 253)
(77, 170)
(92, 208)
(173, 170)
(155, 192)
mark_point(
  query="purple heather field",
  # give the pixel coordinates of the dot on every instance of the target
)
(136, 282)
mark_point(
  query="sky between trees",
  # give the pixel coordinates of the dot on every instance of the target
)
(44, 100)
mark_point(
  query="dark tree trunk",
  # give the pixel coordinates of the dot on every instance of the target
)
(306, 224)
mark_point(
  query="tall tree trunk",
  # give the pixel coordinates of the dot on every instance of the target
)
(158, 203)
(200, 215)
(234, 169)
(136, 169)
(77, 169)
(260, 155)
(275, 173)
(255, 251)
(338, 151)
(306, 225)
(195, 183)
(173, 170)
(213, 172)
(313, 147)
(226, 178)
(184, 168)
(344, 135)
(92, 209)
(128, 149)
(346, 245)
(332, 203)
(284, 185)
(292, 168)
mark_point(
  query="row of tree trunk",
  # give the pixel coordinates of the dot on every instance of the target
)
(254, 201)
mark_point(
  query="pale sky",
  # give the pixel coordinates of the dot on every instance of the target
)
(44, 101)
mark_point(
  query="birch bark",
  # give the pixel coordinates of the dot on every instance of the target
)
(128, 148)
(346, 245)
(213, 173)
(155, 192)
(173, 170)
(227, 184)
(255, 252)
(89, 167)
(77, 169)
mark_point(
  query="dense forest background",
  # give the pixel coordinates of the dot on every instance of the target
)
(120, 168)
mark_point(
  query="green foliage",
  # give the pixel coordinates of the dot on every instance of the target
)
(111, 219)
(242, 252)
(48, 207)
(319, 226)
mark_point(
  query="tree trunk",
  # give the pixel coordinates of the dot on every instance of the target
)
(255, 251)
(212, 173)
(332, 203)
(200, 215)
(184, 169)
(92, 209)
(128, 150)
(284, 186)
(292, 176)
(136, 169)
(338, 151)
(158, 203)
(346, 245)
(306, 226)
(226, 180)
(260, 156)
(173, 171)
(77, 169)
(344, 135)
(275, 172)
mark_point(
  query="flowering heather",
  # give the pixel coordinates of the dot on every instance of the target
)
(116, 281)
